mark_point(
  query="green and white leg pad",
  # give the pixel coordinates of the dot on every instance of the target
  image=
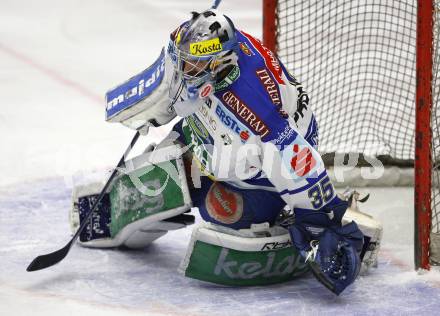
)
(145, 201)
(257, 256)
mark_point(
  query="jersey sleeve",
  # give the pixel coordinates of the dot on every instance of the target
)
(290, 159)
(295, 102)
(296, 169)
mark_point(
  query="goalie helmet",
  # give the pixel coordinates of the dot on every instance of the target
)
(204, 52)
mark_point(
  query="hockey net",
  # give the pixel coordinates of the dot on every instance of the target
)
(435, 127)
(357, 61)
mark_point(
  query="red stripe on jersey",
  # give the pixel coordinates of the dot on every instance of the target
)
(269, 58)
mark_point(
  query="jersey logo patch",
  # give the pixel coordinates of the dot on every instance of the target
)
(224, 205)
(206, 90)
(245, 114)
(244, 135)
(198, 128)
(286, 136)
(227, 140)
(202, 151)
(245, 49)
(302, 160)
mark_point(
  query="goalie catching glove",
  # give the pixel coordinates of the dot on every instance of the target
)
(332, 250)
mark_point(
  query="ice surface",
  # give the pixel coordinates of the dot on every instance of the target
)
(57, 59)
(33, 218)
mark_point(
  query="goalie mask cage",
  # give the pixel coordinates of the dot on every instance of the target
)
(371, 69)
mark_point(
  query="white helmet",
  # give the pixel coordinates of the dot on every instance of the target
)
(204, 53)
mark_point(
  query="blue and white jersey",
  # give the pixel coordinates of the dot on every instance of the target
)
(260, 132)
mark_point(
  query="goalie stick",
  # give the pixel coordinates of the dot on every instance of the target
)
(216, 4)
(50, 259)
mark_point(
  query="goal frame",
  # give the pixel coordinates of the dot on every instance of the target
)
(423, 106)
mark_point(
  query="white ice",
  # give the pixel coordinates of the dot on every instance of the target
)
(57, 59)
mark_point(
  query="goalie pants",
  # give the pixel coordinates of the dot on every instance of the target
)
(223, 204)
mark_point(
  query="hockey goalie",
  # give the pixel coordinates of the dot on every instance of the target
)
(244, 153)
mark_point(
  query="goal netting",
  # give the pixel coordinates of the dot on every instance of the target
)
(357, 61)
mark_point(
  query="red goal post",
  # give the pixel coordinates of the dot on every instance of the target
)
(373, 65)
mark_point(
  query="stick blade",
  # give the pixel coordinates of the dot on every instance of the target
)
(48, 260)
